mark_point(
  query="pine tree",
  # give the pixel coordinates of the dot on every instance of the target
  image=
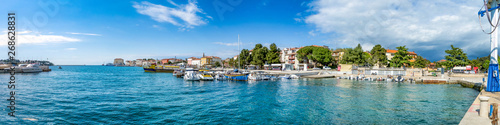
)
(401, 57)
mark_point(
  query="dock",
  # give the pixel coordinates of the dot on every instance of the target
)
(319, 76)
(472, 117)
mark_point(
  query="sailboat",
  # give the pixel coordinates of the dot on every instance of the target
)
(237, 75)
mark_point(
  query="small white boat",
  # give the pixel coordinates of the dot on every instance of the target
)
(191, 75)
(265, 77)
(28, 68)
(293, 76)
(273, 78)
(399, 79)
(178, 73)
(205, 77)
(254, 76)
(220, 77)
(284, 77)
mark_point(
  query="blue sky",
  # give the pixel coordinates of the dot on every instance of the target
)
(96, 32)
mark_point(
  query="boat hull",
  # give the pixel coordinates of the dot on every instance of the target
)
(191, 77)
(242, 77)
(159, 70)
(207, 79)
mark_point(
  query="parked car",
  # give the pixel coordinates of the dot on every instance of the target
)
(316, 68)
(327, 68)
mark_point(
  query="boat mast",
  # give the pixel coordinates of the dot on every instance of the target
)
(239, 62)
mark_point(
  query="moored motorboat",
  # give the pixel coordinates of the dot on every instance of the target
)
(273, 78)
(237, 76)
(178, 73)
(30, 68)
(400, 78)
(284, 77)
(191, 75)
(254, 76)
(219, 76)
(265, 77)
(205, 77)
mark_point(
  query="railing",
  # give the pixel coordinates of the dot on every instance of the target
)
(384, 72)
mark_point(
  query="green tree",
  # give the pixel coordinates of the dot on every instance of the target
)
(456, 57)
(243, 58)
(355, 56)
(231, 62)
(401, 57)
(481, 62)
(322, 56)
(368, 61)
(348, 57)
(378, 55)
(437, 64)
(319, 55)
(259, 55)
(420, 62)
(217, 64)
(305, 54)
(273, 56)
(486, 65)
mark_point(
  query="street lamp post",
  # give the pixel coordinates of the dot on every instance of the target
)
(491, 7)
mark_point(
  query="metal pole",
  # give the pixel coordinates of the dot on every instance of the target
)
(494, 38)
(493, 80)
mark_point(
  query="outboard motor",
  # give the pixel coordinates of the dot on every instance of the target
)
(399, 79)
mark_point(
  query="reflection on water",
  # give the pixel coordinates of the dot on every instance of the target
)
(127, 95)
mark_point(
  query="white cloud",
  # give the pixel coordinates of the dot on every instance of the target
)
(210, 17)
(70, 49)
(88, 34)
(24, 32)
(184, 16)
(425, 26)
(297, 19)
(227, 44)
(172, 2)
(27, 37)
(312, 33)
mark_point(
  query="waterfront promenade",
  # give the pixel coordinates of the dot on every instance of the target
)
(472, 117)
(445, 79)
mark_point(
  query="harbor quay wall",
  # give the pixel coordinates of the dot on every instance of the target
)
(467, 80)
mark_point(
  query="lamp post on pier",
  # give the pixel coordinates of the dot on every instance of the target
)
(491, 10)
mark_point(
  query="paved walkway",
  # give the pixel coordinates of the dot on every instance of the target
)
(472, 117)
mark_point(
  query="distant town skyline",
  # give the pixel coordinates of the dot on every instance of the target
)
(96, 32)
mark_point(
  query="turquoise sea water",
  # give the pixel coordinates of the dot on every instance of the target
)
(127, 95)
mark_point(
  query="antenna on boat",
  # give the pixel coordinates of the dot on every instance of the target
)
(239, 61)
(492, 6)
